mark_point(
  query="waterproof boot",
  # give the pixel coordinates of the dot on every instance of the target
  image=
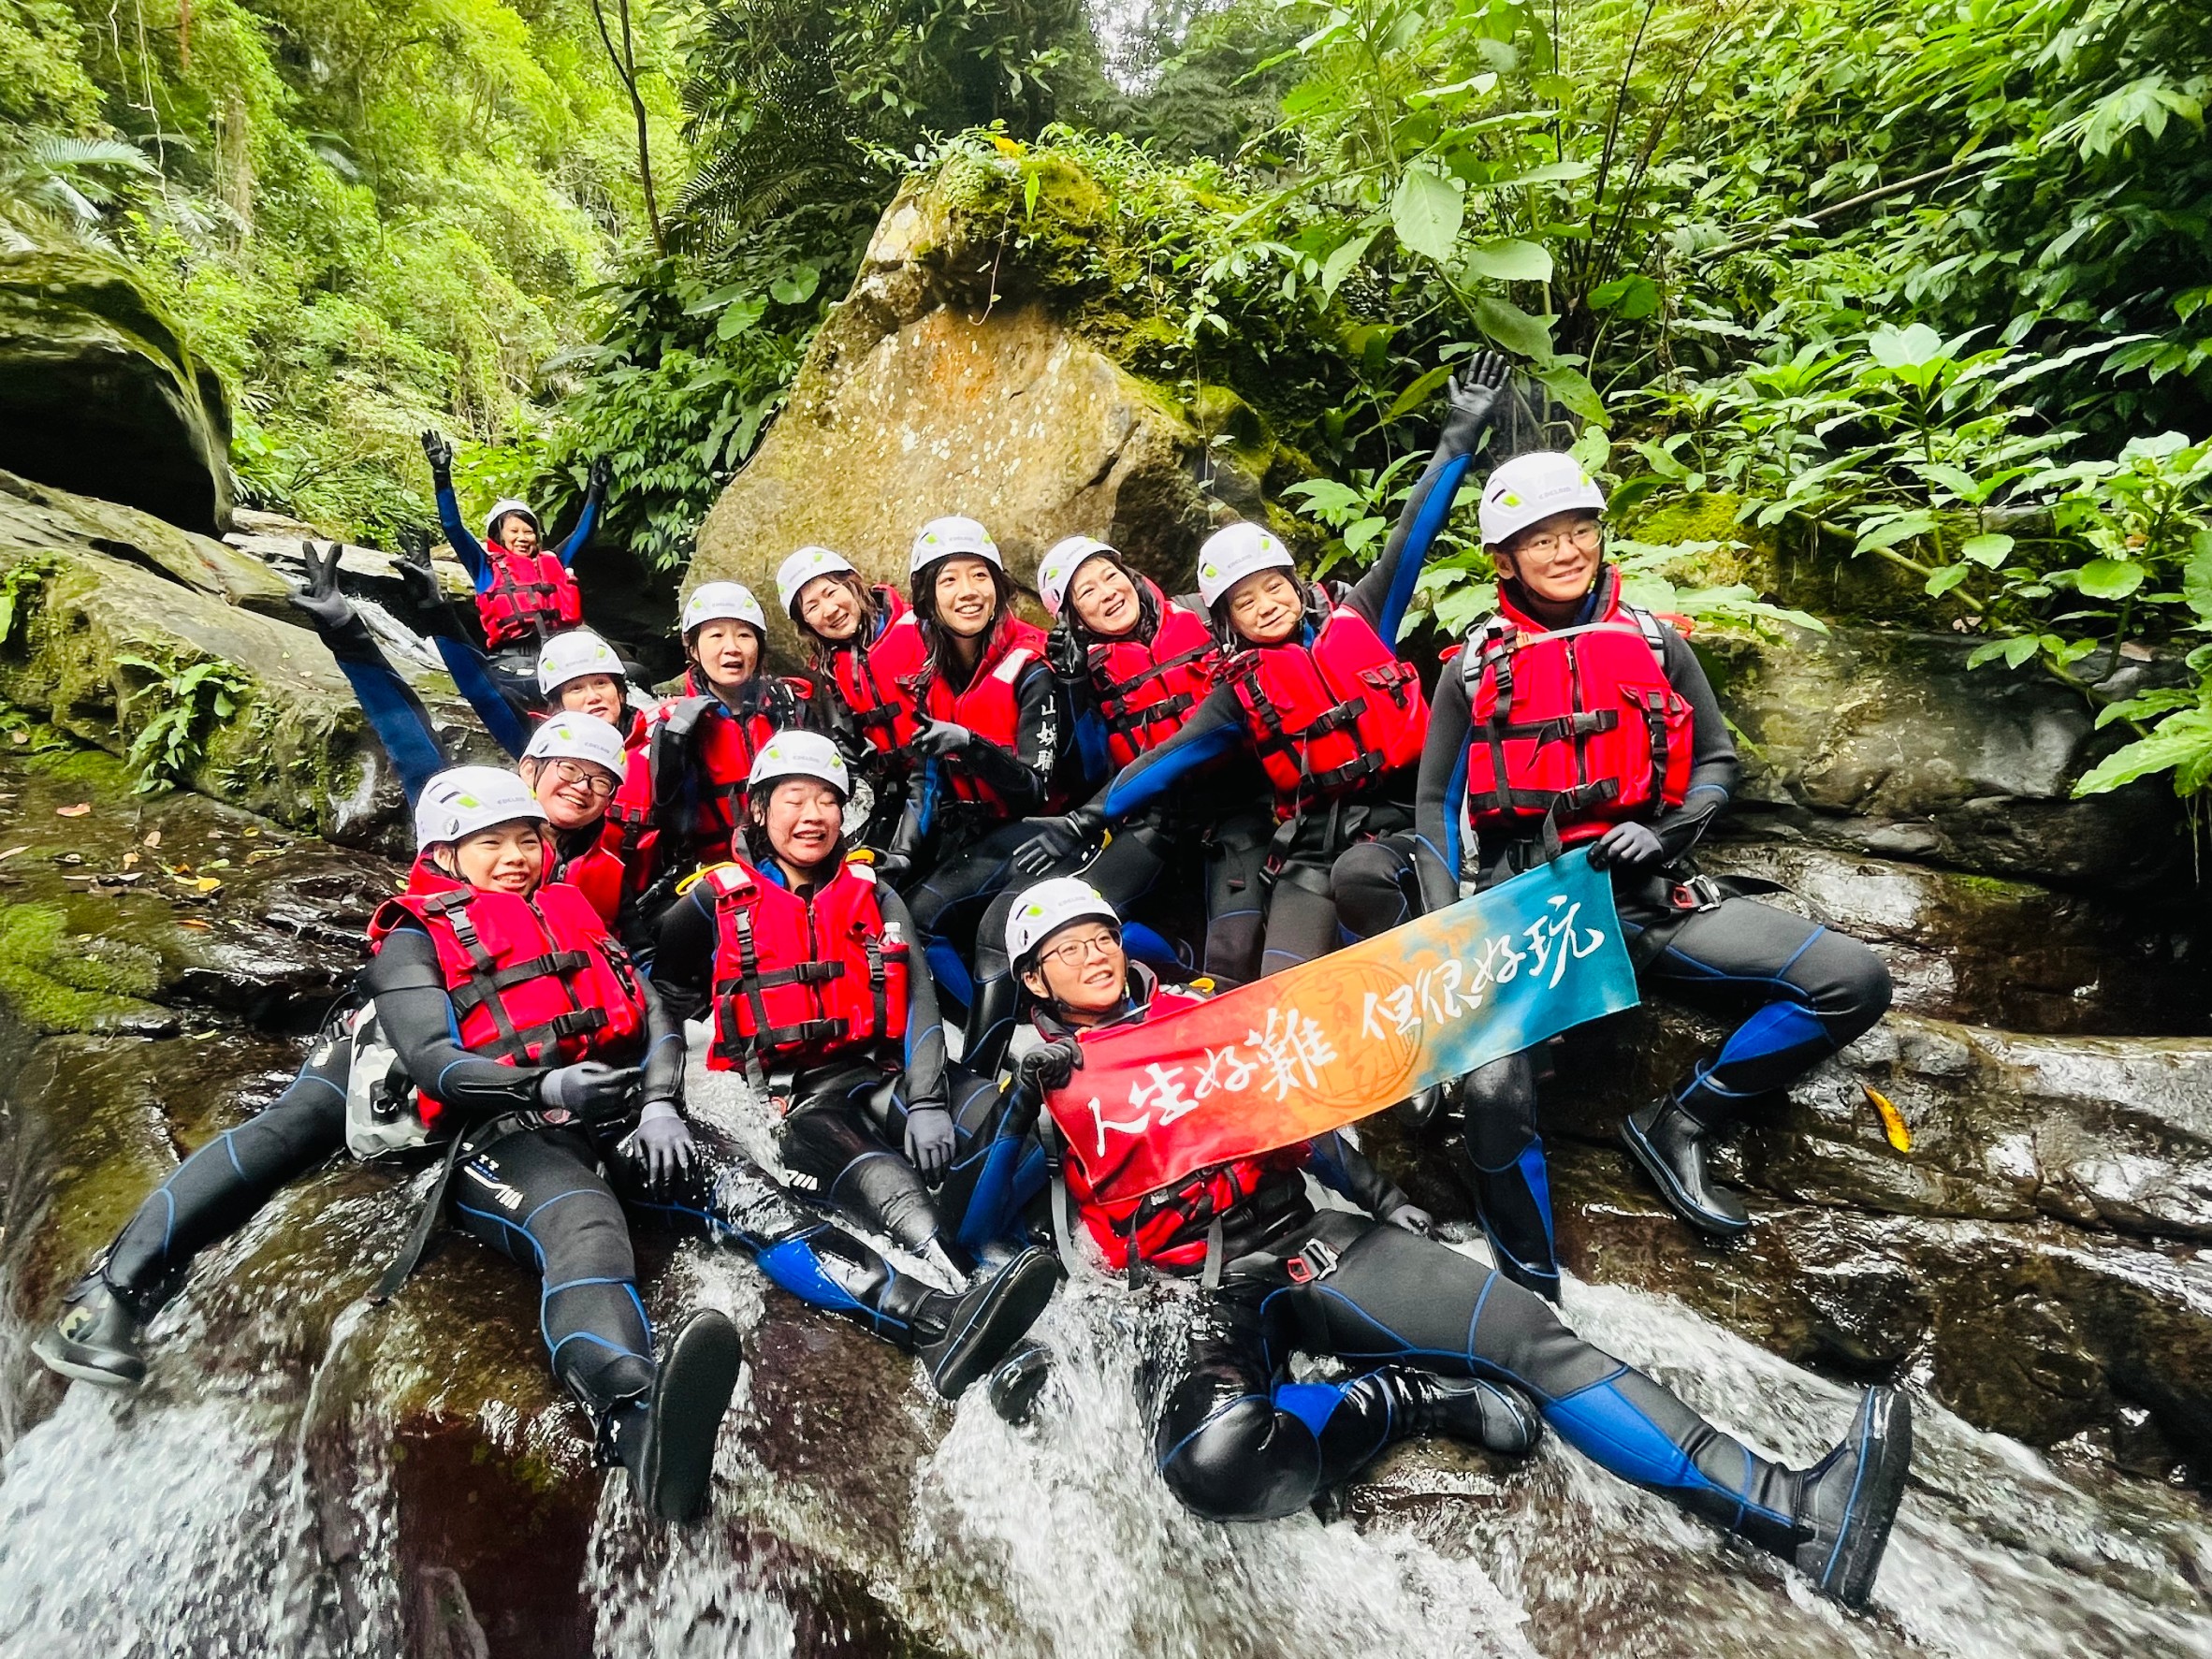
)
(1669, 1142)
(1514, 1204)
(961, 1338)
(1465, 1408)
(96, 1338)
(1848, 1500)
(664, 1436)
(1016, 1381)
(990, 1024)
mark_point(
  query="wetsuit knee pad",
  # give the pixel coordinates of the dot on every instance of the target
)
(1245, 1462)
(1497, 1109)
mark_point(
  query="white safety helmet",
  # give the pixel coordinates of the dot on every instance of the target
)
(1048, 907)
(579, 738)
(1532, 487)
(572, 655)
(799, 754)
(1057, 568)
(943, 538)
(802, 567)
(1232, 553)
(722, 601)
(500, 509)
(463, 800)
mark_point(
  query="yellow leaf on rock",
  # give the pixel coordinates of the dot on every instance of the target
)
(1893, 1121)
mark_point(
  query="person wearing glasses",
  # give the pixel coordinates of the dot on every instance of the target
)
(1235, 1269)
(1572, 718)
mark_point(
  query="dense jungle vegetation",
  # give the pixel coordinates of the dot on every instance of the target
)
(1925, 284)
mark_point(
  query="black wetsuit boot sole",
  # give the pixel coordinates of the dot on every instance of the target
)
(95, 1339)
(1850, 1499)
(1017, 1380)
(985, 1323)
(1635, 1135)
(690, 1394)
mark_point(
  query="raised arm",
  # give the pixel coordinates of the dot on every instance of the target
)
(594, 493)
(1385, 592)
(395, 713)
(438, 449)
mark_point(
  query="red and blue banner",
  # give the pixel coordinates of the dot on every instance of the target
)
(1318, 1046)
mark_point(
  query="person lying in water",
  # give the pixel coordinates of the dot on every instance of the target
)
(1435, 1341)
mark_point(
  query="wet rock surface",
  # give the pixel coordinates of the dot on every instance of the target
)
(1884, 743)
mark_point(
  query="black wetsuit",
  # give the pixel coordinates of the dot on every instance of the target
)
(1237, 1439)
(1811, 990)
(565, 1222)
(844, 1128)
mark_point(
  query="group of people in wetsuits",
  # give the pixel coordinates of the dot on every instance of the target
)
(955, 824)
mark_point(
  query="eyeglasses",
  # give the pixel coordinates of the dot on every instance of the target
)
(1074, 952)
(593, 780)
(1584, 537)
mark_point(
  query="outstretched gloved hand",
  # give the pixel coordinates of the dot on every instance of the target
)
(1413, 1218)
(588, 1088)
(662, 1144)
(437, 449)
(325, 607)
(1627, 847)
(929, 1139)
(1057, 838)
(417, 577)
(1472, 402)
(600, 476)
(940, 738)
(1051, 1067)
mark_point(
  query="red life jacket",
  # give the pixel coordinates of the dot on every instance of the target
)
(1327, 717)
(598, 872)
(1579, 726)
(535, 981)
(686, 783)
(874, 680)
(532, 596)
(1167, 1226)
(1145, 689)
(800, 981)
(989, 706)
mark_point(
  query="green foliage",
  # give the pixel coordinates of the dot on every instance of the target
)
(190, 700)
(19, 589)
(369, 218)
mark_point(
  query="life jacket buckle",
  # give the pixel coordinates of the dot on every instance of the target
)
(1312, 1264)
(1696, 894)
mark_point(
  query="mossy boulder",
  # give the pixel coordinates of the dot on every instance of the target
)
(968, 371)
(1884, 742)
(101, 648)
(39, 517)
(99, 393)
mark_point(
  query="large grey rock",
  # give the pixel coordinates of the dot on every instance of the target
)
(1987, 951)
(39, 517)
(99, 393)
(1886, 743)
(953, 379)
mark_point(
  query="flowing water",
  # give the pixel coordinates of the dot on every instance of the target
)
(205, 1516)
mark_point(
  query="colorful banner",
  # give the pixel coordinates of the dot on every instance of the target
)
(1314, 1048)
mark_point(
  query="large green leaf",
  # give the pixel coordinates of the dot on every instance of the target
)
(2181, 742)
(1905, 348)
(1989, 551)
(1503, 259)
(2109, 578)
(1427, 212)
(1514, 329)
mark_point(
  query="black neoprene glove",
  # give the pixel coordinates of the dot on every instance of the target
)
(324, 605)
(1057, 838)
(1051, 1067)
(589, 1088)
(940, 738)
(662, 1144)
(1472, 402)
(1627, 847)
(437, 449)
(601, 473)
